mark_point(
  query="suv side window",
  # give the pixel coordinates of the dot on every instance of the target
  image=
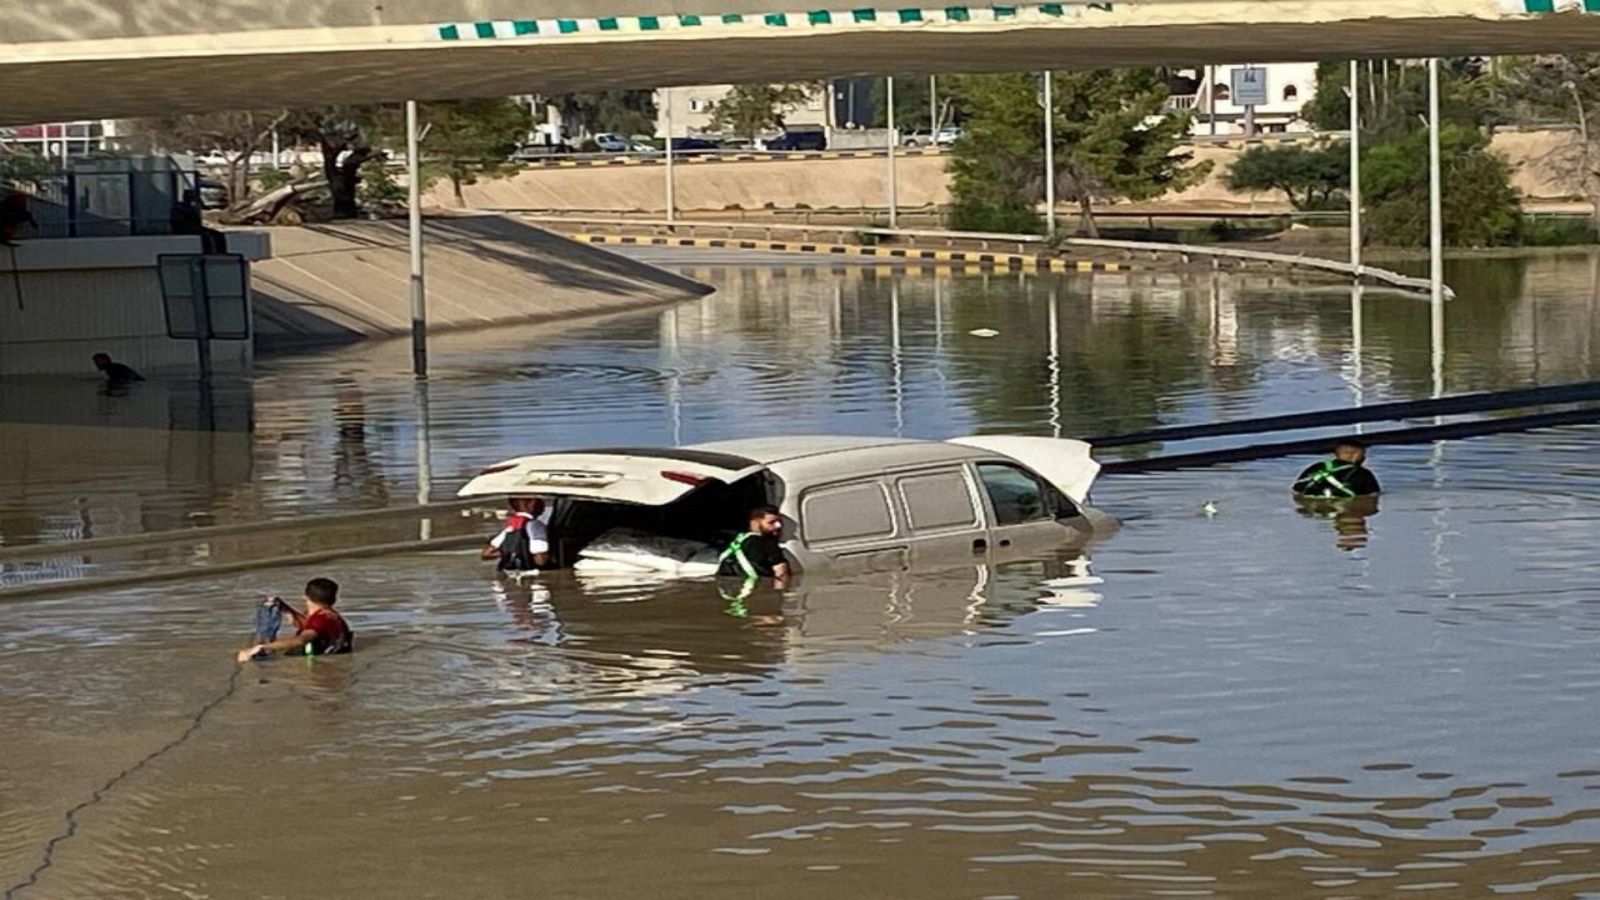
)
(1018, 495)
(845, 513)
(938, 501)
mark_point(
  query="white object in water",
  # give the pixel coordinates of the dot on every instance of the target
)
(984, 332)
(1210, 509)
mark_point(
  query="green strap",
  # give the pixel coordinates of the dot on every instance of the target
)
(736, 551)
(1328, 475)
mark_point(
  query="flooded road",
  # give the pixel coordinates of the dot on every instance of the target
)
(1255, 702)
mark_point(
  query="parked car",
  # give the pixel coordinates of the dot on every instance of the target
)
(612, 143)
(849, 503)
(800, 138)
(945, 137)
(694, 147)
(535, 152)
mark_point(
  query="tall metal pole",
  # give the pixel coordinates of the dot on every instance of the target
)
(419, 295)
(1435, 228)
(1355, 167)
(894, 169)
(933, 111)
(1049, 154)
(672, 174)
(1211, 98)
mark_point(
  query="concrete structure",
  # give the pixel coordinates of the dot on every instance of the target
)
(347, 280)
(63, 300)
(108, 58)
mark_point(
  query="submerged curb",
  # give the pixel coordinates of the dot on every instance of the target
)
(979, 258)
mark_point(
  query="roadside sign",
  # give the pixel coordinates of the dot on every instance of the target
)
(1249, 87)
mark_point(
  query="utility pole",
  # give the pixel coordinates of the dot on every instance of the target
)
(1435, 228)
(419, 293)
(933, 110)
(894, 180)
(1355, 167)
(1049, 154)
(672, 175)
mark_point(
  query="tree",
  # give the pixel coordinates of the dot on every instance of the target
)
(622, 112)
(912, 109)
(749, 110)
(1115, 139)
(466, 139)
(1480, 207)
(1565, 88)
(237, 136)
(1310, 177)
(344, 135)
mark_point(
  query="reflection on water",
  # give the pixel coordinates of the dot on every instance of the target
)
(1240, 696)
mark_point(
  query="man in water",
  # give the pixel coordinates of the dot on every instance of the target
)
(117, 374)
(757, 553)
(1341, 478)
(319, 631)
(524, 544)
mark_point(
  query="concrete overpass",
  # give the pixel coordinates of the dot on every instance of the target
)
(108, 58)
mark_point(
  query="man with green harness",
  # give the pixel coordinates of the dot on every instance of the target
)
(1344, 477)
(757, 552)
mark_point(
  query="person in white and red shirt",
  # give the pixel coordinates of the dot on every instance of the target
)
(523, 545)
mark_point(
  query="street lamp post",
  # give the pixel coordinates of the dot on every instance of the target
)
(419, 295)
(1355, 167)
(894, 180)
(672, 175)
(1435, 228)
(1049, 154)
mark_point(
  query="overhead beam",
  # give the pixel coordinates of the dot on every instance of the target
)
(248, 54)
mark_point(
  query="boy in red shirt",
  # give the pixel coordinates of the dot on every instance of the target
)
(319, 631)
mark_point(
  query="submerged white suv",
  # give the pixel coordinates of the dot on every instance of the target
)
(850, 504)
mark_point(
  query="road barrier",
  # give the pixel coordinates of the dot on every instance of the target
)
(700, 157)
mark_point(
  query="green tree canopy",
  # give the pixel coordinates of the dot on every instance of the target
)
(1114, 136)
(467, 140)
(623, 112)
(749, 110)
(1479, 205)
(1309, 177)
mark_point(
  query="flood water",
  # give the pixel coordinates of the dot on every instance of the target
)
(1254, 702)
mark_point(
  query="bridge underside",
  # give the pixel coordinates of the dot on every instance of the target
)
(72, 76)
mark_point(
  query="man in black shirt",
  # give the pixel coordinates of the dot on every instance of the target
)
(1341, 478)
(757, 553)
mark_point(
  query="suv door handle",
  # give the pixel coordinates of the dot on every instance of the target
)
(980, 545)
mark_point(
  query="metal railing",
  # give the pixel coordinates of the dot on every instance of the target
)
(104, 197)
(1024, 243)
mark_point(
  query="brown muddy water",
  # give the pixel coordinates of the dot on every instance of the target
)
(1257, 702)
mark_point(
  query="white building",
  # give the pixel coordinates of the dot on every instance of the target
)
(1289, 87)
(689, 110)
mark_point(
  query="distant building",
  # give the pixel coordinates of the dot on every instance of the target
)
(60, 140)
(1208, 93)
(690, 109)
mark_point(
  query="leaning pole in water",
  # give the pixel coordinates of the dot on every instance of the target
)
(419, 296)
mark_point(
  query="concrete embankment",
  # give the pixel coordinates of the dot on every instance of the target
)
(1538, 159)
(349, 280)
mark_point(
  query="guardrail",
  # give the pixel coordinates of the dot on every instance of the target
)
(1024, 242)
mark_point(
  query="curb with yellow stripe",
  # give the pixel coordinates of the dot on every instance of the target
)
(690, 158)
(980, 258)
